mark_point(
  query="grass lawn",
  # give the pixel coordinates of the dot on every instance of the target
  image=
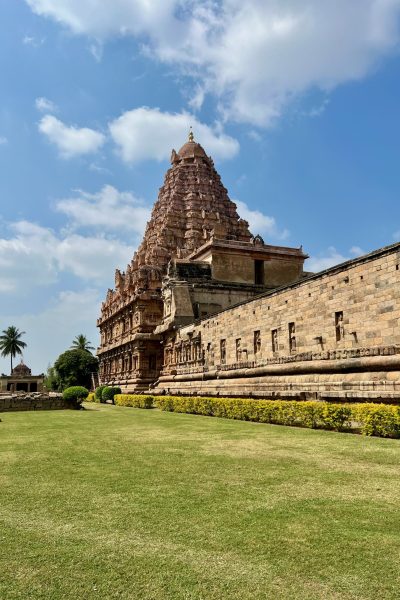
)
(117, 502)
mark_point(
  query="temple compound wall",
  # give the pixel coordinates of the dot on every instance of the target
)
(331, 336)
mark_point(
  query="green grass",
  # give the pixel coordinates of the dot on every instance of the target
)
(117, 502)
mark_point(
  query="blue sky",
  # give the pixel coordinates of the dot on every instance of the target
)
(298, 103)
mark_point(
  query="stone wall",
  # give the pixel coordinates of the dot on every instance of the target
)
(15, 402)
(335, 334)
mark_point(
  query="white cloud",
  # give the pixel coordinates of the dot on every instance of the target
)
(35, 42)
(103, 19)
(356, 251)
(68, 314)
(260, 223)
(70, 141)
(254, 135)
(254, 56)
(3, 140)
(92, 258)
(96, 50)
(330, 259)
(27, 257)
(45, 105)
(35, 256)
(317, 111)
(99, 169)
(108, 209)
(147, 133)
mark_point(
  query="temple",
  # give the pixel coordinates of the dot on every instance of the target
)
(206, 307)
(21, 380)
(197, 258)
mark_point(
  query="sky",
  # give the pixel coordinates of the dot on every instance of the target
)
(297, 102)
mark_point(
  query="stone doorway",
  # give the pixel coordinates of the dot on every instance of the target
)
(22, 386)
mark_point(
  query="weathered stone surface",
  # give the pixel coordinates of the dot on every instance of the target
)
(34, 401)
(347, 345)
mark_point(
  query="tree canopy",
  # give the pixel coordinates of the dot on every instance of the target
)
(74, 367)
(80, 342)
(10, 343)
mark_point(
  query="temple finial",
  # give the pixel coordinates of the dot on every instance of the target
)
(191, 136)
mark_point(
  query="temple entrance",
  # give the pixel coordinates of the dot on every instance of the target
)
(22, 386)
(33, 387)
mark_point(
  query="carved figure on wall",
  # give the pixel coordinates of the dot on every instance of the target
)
(238, 349)
(223, 351)
(274, 336)
(119, 280)
(292, 337)
(339, 325)
(257, 342)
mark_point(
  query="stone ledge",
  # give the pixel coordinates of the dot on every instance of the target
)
(34, 401)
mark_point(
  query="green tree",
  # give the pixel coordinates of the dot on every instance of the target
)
(75, 367)
(80, 342)
(10, 343)
(51, 380)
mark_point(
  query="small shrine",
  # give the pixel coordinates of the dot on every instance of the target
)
(21, 380)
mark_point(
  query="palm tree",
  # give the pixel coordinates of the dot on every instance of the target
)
(10, 343)
(81, 342)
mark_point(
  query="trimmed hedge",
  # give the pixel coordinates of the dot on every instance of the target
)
(108, 393)
(98, 392)
(315, 415)
(134, 400)
(75, 395)
(90, 397)
(380, 420)
(370, 419)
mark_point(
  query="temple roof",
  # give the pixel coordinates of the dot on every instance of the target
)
(192, 149)
(192, 207)
(21, 370)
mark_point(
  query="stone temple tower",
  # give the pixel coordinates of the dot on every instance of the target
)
(193, 213)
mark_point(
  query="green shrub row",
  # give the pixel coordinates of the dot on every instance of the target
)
(103, 393)
(380, 420)
(135, 401)
(370, 419)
